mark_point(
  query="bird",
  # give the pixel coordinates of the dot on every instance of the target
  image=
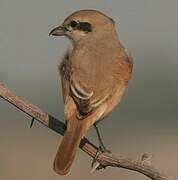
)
(94, 76)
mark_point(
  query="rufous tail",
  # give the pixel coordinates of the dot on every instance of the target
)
(68, 148)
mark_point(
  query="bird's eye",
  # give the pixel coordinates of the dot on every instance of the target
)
(73, 24)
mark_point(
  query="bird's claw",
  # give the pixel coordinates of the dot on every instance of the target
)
(95, 165)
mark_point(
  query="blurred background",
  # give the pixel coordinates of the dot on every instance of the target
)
(145, 121)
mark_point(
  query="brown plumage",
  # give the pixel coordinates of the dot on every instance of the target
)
(94, 74)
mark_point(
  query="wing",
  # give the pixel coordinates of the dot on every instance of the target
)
(85, 100)
(65, 75)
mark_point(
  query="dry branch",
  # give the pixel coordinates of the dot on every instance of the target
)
(104, 159)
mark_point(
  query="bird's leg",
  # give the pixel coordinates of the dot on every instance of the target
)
(102, 147)
(95, 165)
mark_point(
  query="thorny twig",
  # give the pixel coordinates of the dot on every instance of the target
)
(104, 159)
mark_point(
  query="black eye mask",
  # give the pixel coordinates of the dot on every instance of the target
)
(82, 26)
(85, 26)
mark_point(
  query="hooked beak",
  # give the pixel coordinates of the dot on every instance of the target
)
(58, 31)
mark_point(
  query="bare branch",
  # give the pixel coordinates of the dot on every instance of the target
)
(105, 159)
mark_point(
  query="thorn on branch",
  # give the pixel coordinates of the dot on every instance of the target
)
(32, 121)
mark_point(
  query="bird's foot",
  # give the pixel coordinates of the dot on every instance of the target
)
(95, 164)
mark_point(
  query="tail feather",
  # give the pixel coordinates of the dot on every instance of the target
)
(68, 148)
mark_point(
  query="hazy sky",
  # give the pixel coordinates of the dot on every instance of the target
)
(145, 121)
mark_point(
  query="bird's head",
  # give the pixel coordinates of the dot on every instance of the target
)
(84, 23)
